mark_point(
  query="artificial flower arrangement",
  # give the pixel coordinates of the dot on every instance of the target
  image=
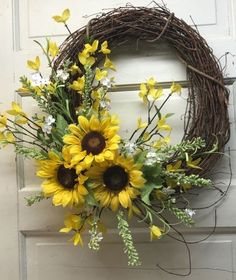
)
(84, 163)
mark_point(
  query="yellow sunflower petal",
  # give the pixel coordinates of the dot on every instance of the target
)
(66, 198)
(108, 155)
(124, 198)
(70, 139)
(99, 158)
(88, 160)
(82, 190)
(114, 203)
(94, 124)
(83, 123)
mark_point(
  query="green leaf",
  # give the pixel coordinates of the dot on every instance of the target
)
(57, 139)
(158, 112)
(90, 199)
(61, 124)
(35, 198)
(140, 157)
(147, 190)
(152, 170)
(169, 115)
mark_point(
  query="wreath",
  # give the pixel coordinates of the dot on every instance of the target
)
(85, 164)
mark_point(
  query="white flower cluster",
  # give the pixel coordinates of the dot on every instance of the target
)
(62, 75)
(37, 80)
(47, 127)
(151, 158)
(130, 148)
(106, 82)
(96, 238)
(190, 212)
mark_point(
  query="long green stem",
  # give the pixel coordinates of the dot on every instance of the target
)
(45, 52)
(156, 214)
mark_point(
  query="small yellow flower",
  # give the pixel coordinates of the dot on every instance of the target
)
(161, 142)
(9, 137)
(53, 49)
(143, 93)
(75, 223)
(175, 87)
(63, 17)
(104, 48)
(78, 85)
(16, 110)
(151, 83)
(141, 124)
(155, 232)
(193, 163)
(161, 124)
(109, 64)
(34, 65)
(51, 88)
(156, 93)
(77, 239)
(3, 121)
(100, 74)
(21, 120)
(175, 167)
(24, 90)
(2, 137)
(91, 48)
(85, 58)
(74, 69)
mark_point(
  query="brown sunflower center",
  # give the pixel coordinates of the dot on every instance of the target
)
(66, 177)
(93, 142)
(115, 178)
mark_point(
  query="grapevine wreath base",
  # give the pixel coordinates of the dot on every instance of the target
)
(206, 114)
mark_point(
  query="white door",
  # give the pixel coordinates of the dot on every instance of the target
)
(30, 246)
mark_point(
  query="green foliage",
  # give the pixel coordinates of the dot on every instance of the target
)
(30, 152)
(147, 190)
(180, 214)
(87, 91)
(126, 235)
(90, 199)
(152, 171)
(154, 181)
(179, 150)
(35, 198)
(140, 157)
(193, 179)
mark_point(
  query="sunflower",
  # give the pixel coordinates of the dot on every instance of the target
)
(62, 181)
(93, 140)
(116, 182)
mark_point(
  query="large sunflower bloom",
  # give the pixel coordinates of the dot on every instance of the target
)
(62, 182)
(116, 182)
(93, 140)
